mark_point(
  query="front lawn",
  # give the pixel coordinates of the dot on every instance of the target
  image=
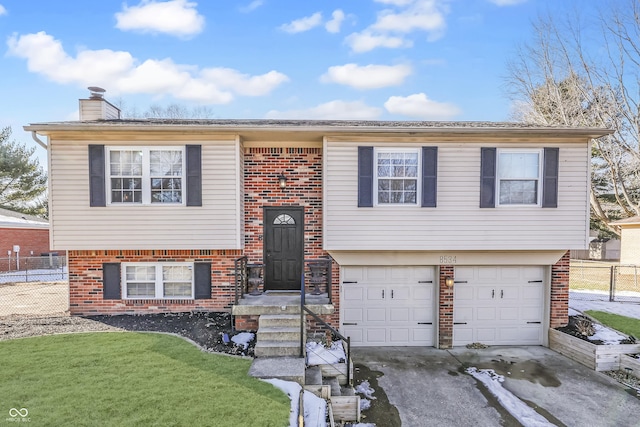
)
(133, 379)
(626, 325)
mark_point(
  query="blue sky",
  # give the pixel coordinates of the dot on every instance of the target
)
(356, 59)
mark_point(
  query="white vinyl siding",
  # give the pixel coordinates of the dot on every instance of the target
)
(77, 226)
(457, 223)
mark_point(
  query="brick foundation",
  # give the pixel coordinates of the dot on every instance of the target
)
(86, 289)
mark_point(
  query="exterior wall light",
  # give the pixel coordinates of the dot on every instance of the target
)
(282, 180)
(448, 281)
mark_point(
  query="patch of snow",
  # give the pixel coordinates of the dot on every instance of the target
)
(318, 354)
(520, 410)
(362, 425)
(315, 408)
(606, 335)
(365, 389)
(365, 404)
(243, 339)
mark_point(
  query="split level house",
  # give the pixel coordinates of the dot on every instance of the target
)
(436, 233)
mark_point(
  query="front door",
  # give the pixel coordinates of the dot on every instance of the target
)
(283, 247)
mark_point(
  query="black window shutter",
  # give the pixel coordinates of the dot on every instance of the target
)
(365, 177)
(111, 280)
(550, 178)
(429, 176)
(194, 175)
(97, 195)
(202, 280)
(487, 177)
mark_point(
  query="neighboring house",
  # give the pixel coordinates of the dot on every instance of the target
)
(440, 233)
(630, 240)
(28, 234)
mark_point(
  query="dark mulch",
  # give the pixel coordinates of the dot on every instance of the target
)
(209, 330)
(573, 328)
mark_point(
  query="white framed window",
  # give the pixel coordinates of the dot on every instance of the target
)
(145, 175)
(518, 173)
(165, 280)
(397, 173)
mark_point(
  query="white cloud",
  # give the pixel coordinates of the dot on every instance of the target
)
(244, 84)
(506, 2)
(338, 110)
(3, 10)
(366, 41)
(419, 106)
(302, 24)
(403, 17)
(175, 17)
(368, 76)
(333, 26)
(122, 73)
(251, 6)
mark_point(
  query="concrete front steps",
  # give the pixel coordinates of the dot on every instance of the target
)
(278, 336)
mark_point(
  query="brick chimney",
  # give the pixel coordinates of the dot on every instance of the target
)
(96, 107)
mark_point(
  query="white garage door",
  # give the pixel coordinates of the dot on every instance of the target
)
(388, 306)
(498, 305)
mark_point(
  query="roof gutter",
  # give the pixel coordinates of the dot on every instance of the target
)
(34, 135)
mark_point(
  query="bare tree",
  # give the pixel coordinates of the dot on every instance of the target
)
(171, 111)
(575, 77)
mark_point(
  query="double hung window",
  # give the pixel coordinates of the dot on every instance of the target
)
(157, 280)
(148, 175)
(519, 175)
(397, 176)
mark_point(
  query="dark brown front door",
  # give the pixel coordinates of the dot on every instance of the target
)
(283, 247)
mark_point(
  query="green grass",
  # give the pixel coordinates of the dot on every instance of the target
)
(626, 325)
(132, 379)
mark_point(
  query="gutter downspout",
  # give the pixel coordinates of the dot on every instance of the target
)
(40, 142)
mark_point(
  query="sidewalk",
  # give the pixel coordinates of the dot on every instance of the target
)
(578, 302)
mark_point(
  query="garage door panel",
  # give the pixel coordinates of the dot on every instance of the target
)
(422, 315)
(487, 273)
(423, 293)
(356, 334)
(498, 305)
(463, 314)
(353, 315)
(463, 293)
(508, 313)
(485, 335)
(394, 302)
(376, 335)
(530, 314)
(399, 336)
(399, 315)
(400, 293)
(376, 315)
(485, 313)
(353, 294)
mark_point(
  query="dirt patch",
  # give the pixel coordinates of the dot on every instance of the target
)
(381, 412)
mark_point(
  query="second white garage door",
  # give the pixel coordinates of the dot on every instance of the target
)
(388, 306)
(498, 305)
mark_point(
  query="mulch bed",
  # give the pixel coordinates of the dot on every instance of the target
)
(206, 329)
(573, 328)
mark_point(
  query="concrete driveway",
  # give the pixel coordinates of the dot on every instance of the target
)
(429, 387)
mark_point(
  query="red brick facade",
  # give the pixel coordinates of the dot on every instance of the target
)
(445, 308)
(30, 240)
(86, 289)
(559, 311)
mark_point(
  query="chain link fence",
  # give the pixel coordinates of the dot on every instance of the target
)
(598, 281)
(34, 285)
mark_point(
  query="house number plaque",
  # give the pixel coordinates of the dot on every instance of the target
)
(447, 259)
